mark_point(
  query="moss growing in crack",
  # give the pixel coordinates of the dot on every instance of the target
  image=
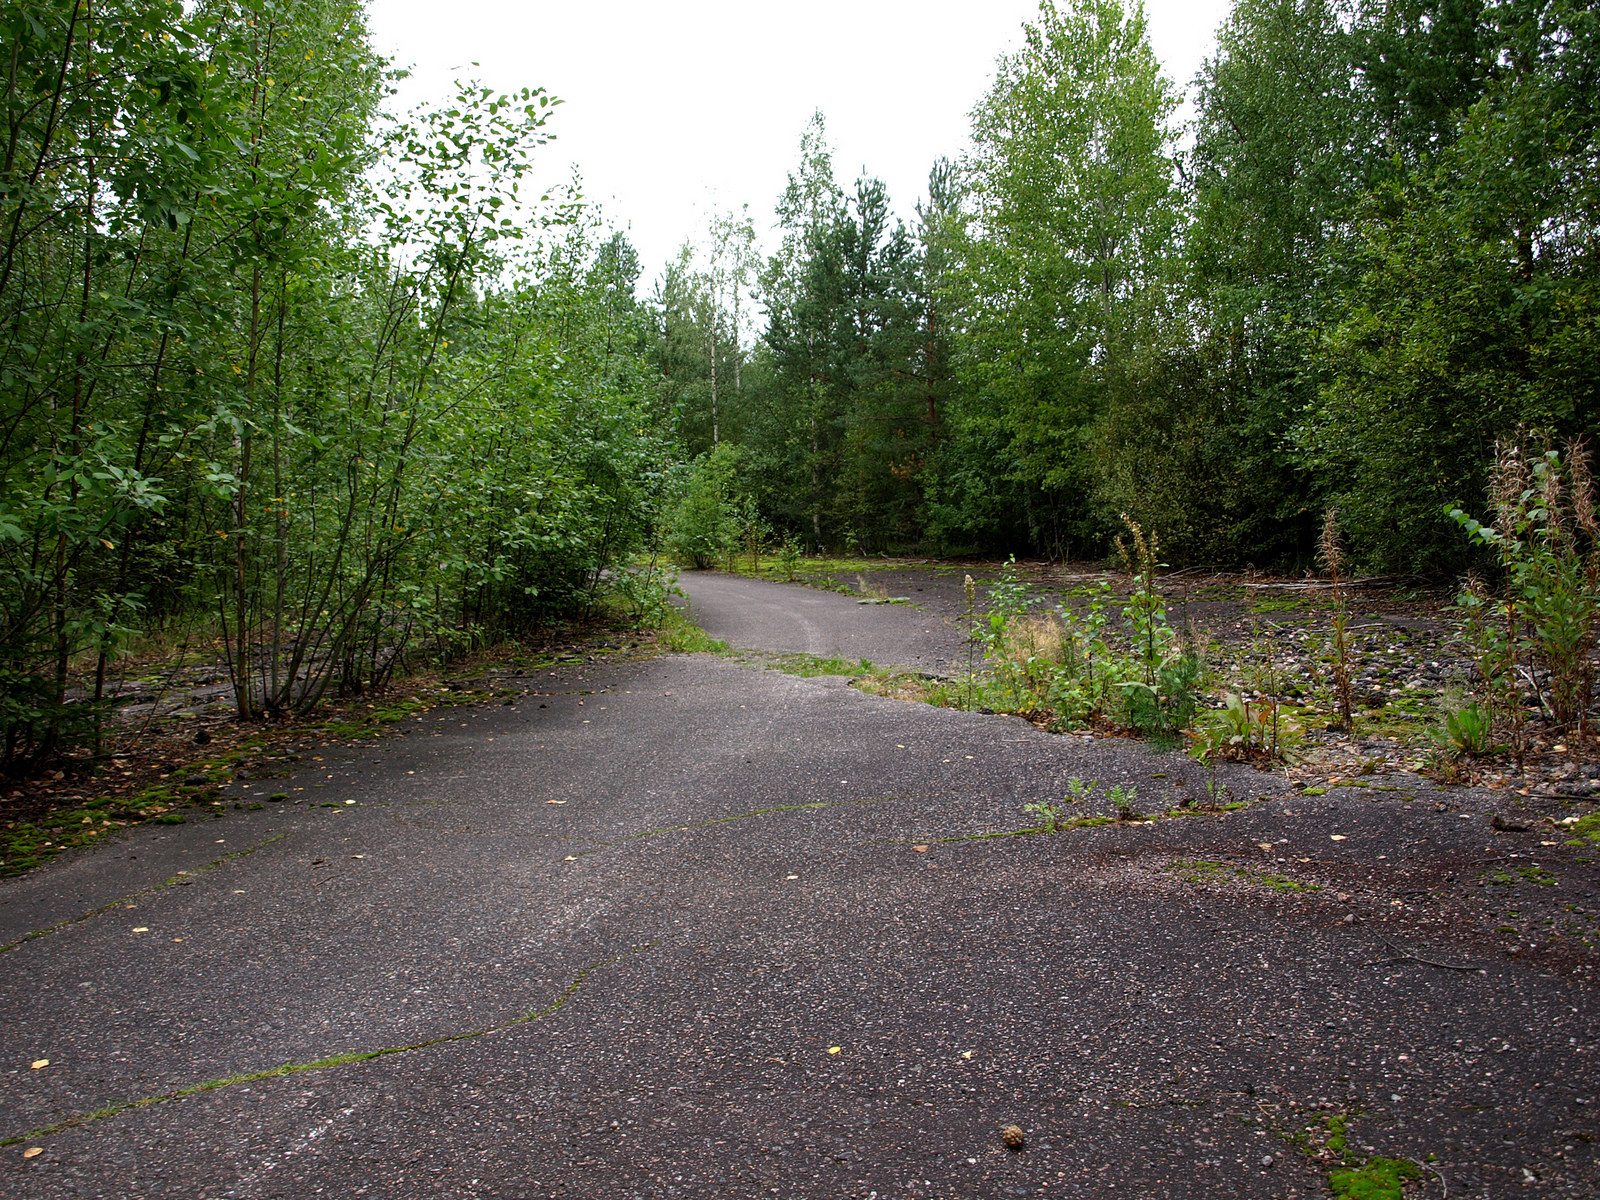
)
(1201, 872)
(180, 877)
(320, 1064)
(1379, 1179)
(1337, 1126)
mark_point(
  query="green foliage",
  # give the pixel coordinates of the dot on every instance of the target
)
(278, 363)
(1547, 537)
(1378, 256)
(1331, 556)
(704, 525)
(1070, 665)
(1474, 291)
(1122, 800)
(684, 638)
(1050, 815)
(845, 405)
(1467, 730)
(789, 557)
(1073, 213)
(644, 591)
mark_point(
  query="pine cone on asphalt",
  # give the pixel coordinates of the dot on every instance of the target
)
(1013, 1137)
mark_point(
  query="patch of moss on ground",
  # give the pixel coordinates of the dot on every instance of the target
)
(1380, 1179)
(1530, 874)
(1201, 872)
(1586, 829)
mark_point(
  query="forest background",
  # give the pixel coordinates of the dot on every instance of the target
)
(342, 387)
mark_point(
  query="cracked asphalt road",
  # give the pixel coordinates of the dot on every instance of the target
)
(699, 928)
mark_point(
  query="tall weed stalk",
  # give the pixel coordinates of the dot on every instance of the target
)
(1546, 538)
(1330, 551)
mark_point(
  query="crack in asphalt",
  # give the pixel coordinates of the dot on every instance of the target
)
(180, 877)
(1089, 822)
(321, 1064)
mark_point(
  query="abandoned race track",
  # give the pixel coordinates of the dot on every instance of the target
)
(696, 927)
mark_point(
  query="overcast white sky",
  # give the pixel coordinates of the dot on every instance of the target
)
(673, 108)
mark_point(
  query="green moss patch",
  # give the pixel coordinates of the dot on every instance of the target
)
(1380, 1179)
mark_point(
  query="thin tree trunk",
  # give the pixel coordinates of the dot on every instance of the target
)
(241, 514)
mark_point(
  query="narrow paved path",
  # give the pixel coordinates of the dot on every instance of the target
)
(691, 928)
(754, 615)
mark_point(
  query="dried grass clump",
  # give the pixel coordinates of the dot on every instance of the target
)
(1033, 638)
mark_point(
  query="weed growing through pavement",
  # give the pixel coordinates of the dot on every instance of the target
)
(1050, 816)
(1467, 729)
(970, 590)
(1331, 553)
(681, 637)
(1161, 700)
(789, 557)
(1064, 669)
(1532, 874)
(1200, 872)
(1546, 535)
(1377, 1179)
(1122, 799)
(1586, 829)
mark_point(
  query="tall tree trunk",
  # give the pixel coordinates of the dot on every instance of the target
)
(715, 430)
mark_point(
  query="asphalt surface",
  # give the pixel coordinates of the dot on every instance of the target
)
(750, 614)
(606, 955)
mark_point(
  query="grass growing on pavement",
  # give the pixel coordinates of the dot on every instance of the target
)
(682, 637)
(808, 666)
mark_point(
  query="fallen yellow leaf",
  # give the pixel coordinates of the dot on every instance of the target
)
(141, 929)
(33, 1152)
(1265, 845)
(920, 849)
(834, 1049)
(37, 1063)
(966, 1054)
(1336, 837)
